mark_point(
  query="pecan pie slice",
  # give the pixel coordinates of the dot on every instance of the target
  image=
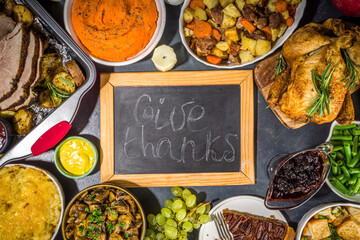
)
(245, 226)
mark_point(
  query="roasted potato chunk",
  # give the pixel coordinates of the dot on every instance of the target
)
(217, 52)
(64, 82)
(200, 14)
(262, 47)
(22, 121)
(23, 14)
(282, 29)
(49, 64)
(274, 34)
(7, 114)
(224, 3)
(285, 14)
(232, 34)
(228, 21)
(246, 56)
(232, 11)
(240, 4)
(188, 32)
(212, 23)
(292, 1)
(253, 2)
(211, 3)
(271, 5)
(188, 15)
(47, 101)
(75, 72)
(7, 6)
(249, 43)
(223, 46)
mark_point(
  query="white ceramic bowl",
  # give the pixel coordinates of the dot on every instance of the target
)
(356, 197)
(160, 4)
(59, 187)
(298, 15)
(315, 210)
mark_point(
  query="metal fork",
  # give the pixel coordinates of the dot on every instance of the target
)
(221, 226)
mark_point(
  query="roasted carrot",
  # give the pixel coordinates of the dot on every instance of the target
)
(197, 3)
(213, 59)
(247, 25)
(191, 25)
(280, 6)
(202, 29)
(267, 31)
(292, 9)
(216, 34)
(289, 21)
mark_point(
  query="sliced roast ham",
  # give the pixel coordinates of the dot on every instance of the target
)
(27, 77)
(31, 96)
(6, 25)
(13, 52)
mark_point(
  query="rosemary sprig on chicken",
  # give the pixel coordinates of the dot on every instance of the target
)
(281, 65)
(352, 74)
(322, 101)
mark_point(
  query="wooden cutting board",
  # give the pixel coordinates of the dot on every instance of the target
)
(264, 77)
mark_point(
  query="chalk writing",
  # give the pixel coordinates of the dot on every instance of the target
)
(182, 122)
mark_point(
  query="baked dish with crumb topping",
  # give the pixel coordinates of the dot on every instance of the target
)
(30, 204)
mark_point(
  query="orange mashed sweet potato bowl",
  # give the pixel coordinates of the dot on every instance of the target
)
(114, 30)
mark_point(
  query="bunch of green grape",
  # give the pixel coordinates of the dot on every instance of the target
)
(180, 216)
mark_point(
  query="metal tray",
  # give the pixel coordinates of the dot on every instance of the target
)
(55, 126)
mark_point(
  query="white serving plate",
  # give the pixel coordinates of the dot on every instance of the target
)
(298, 15)
(59, 187)
(160, 26)
(315, 210)
(356, 197)
(244, 203)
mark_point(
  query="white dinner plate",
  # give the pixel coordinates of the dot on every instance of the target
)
(244, 203)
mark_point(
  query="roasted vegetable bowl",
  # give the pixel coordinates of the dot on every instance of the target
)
(104, 212)
(235, 33)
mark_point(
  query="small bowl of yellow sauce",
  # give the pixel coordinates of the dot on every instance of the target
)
(76, 157)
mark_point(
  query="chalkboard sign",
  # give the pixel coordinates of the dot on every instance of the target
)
(161, 128)
(177, 129)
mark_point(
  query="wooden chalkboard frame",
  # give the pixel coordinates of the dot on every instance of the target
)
(244, 78)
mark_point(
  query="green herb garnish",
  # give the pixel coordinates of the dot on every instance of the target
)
(126, 235)
(110, 227)
(322, 217)
(81, 229)
(55, 93)
(66, 82)
(281, 65)
(352, 74)
(334, 235)
(121, 224)
(321, 102)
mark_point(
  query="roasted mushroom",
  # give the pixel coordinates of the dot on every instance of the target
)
(104, 213)
(70, 230)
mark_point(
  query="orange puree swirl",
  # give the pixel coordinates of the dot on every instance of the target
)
(114, 30)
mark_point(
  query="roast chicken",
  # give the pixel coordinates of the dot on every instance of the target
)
(315, 47)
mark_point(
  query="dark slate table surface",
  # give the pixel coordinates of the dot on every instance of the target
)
(271, 137)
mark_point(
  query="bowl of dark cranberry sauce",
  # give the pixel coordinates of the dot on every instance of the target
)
(297, 178)
(6, 135)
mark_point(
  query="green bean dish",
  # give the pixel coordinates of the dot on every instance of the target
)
(345, 159)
